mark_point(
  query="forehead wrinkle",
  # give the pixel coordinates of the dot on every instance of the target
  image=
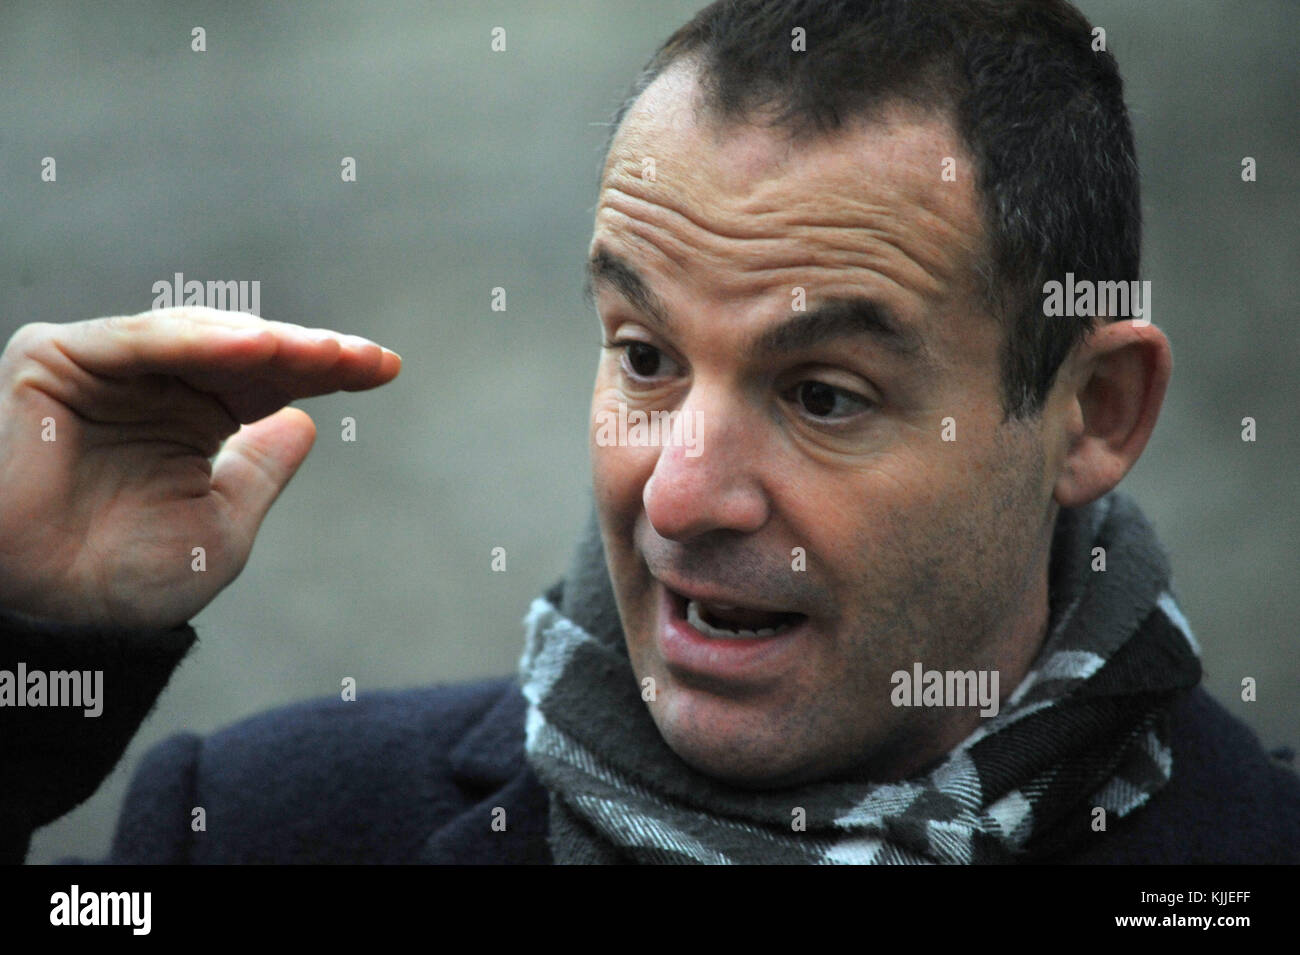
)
(904, 219)
(911, 214)
(645, 223)
(726, 224)
(763, 257)
(748, 159)
(911, 232)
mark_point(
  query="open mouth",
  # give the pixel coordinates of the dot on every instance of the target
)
(731, 622)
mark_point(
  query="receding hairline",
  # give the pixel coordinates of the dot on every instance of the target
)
(921, 98)
(920, 101)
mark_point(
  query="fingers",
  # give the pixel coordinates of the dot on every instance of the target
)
(257, 462)
(218, 352)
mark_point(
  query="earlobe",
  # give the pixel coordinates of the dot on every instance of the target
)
(1123, 370)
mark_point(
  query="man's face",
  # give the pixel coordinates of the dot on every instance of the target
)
(823, 502)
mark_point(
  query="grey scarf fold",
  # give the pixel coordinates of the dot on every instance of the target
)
(1085, 729)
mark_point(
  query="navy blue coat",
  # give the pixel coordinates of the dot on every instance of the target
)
(415, 776)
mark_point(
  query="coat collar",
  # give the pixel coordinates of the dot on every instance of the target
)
(492, 751)
(489, 761)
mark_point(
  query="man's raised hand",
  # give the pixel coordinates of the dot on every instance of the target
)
(108, 428)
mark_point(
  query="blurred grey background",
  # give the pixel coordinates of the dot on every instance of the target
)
(478, 169)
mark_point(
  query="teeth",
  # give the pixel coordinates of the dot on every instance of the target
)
(694, 618)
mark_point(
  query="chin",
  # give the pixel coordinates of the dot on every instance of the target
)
(728, 741)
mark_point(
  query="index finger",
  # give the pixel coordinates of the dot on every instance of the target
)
(214, 350)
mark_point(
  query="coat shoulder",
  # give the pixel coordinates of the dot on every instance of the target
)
(1228, 801)
(323, 780)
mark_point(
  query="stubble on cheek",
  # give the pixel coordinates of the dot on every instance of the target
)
(945, 586)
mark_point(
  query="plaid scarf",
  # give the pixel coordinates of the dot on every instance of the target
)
(1086, 728)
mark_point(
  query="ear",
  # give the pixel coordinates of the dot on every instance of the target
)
(1116, 383)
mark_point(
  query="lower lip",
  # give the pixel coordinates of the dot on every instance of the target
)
(686, 649)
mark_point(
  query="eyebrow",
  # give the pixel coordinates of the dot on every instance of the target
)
(843, 317)
(834, 318)
(606, 268)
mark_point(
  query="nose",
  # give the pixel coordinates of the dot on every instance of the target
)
(713, 486)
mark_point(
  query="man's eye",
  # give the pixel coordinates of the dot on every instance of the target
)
(645, 361)
(820, 400)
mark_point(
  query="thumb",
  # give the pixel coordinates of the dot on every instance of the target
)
(257, 462)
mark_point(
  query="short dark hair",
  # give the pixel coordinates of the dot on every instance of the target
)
(1040, 111)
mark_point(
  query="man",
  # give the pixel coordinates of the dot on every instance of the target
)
(864, 593)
